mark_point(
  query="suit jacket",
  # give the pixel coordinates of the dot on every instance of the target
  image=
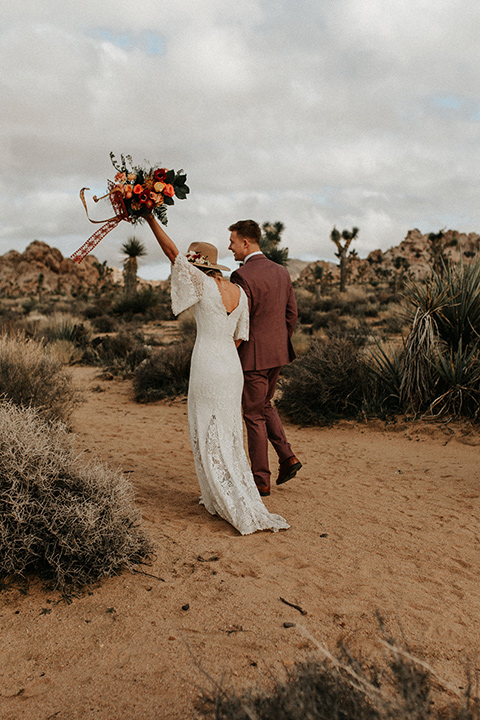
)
(273, 313)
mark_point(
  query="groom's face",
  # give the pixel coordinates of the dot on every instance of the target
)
(238, 246)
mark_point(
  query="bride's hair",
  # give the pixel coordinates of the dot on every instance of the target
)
(211, 271)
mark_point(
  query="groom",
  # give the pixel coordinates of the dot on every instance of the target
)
(273, 315)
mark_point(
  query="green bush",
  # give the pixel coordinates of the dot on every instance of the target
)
(62, 518)
(32, 376)
(118, 354)
(330, 381)
(165, 374)
(138, 304)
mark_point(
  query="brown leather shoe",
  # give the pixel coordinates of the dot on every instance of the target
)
(264, 491)
(288, 469)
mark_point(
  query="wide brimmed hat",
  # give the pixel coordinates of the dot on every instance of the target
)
(204, 255)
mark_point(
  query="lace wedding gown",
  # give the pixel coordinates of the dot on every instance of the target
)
(214, 402)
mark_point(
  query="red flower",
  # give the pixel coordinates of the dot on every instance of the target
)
(138, 189)
(169, 190)
(160, 174)
(144, 197)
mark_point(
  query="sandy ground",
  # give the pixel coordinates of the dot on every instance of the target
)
(383, 519)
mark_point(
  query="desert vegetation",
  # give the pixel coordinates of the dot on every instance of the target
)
(373, 339)
(31, 375)
(345, 687)
(354, 371)
(66, 519)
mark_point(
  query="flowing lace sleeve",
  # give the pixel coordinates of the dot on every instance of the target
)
(243, 323)
(187, 284)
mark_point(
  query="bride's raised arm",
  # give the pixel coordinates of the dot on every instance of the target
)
(165, 242)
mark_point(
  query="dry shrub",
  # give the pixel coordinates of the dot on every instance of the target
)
(62, 518)
(165, 374)
(32, 376)
(67, 352)
(105, 324)
(343, 687)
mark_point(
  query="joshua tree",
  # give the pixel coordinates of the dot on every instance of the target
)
(342, 249)
(133, 249)
(270, 241)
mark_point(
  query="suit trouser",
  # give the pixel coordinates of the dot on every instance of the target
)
(263, 423)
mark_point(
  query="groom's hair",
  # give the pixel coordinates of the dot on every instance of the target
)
(247, 229)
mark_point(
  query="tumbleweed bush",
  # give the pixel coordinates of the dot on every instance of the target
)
(32, 376)
(60, 517)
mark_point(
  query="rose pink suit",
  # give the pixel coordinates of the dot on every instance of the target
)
(273, 316)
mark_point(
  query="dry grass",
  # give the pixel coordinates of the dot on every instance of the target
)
(60, 517)
(32, 376)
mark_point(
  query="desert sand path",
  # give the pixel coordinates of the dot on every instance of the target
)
(382, 520)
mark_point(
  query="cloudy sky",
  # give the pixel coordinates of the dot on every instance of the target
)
(314, 112)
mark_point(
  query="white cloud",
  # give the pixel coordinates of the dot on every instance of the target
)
(345, 112)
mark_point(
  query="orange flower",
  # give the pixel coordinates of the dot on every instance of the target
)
(131, 177)
(138, 189)
(168, 190)
(120, 177)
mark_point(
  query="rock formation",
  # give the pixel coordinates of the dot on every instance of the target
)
(42, 269)
(413, 257)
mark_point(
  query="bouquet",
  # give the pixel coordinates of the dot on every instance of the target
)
(135, 192)
(147, 190)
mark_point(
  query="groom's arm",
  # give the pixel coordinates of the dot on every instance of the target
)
(291, 312)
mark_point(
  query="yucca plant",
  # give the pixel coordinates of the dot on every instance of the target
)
(386, 366)
(442, 350)
(459, 382)
(428, 300)
(459, 321)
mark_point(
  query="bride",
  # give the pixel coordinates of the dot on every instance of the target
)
(215, 386)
